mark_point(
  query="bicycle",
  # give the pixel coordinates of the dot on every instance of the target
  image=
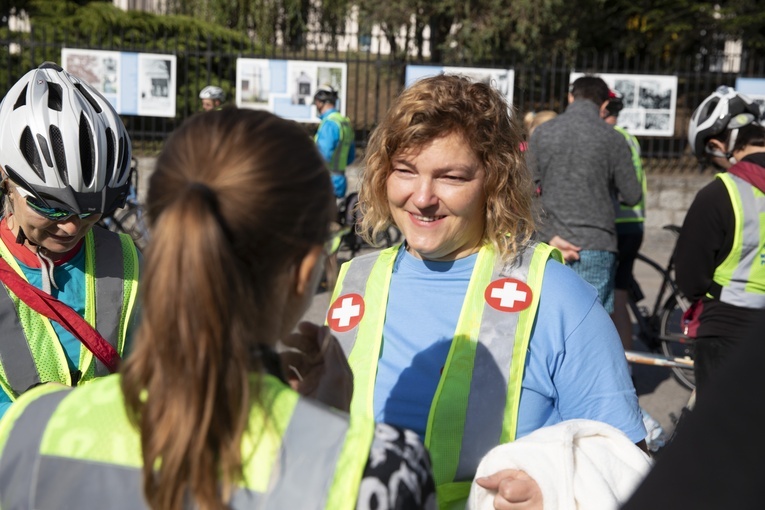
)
(129, 219)
(660, 326)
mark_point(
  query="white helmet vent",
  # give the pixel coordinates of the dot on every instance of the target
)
(109, 154)
(59, 155)
(55, 98)
(87, 157)
(45, 150)
(29, 150)
(22, 99)
(84, 92)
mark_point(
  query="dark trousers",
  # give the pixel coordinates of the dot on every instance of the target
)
(710, 353)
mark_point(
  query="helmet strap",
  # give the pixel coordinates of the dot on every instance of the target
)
(731, 143)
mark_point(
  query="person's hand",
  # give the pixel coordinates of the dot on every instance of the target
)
(316, 366)
(570, 251)
(515, 490)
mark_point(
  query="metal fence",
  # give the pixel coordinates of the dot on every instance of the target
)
(376, 77)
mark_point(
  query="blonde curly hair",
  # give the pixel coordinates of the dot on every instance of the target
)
(450, 104)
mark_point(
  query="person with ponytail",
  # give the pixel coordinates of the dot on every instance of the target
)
(201, 415)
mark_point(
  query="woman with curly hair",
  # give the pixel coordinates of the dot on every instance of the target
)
(469, 333)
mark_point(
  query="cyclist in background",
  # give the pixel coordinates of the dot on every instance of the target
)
(334, 137)
(629, 228)
(720, 251)
(65, 159)
(201, 415)
(212, 98)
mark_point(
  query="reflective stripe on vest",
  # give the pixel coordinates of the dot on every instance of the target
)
(635, 213)
(484, 366)
(27, 354)
(289, 457)
(742, 274)
(340, 155)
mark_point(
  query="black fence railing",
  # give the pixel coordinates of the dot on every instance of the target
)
(375, 77)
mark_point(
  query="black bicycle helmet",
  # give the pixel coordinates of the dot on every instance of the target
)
(724, 110)
(615, 104)
(63, 142)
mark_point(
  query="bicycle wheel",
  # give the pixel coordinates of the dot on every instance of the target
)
(674, 343)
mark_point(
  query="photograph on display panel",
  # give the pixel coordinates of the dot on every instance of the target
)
(286, 87)
(134, 83)
(99, 69)
(156, 87)
(501, 79)
(649, 101)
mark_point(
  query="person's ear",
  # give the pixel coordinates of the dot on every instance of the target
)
(570, 98)
(604, 109)
(306, 270)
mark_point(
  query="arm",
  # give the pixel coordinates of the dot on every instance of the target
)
(705, 240)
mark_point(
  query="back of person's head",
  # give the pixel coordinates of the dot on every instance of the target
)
(438, 106)
(539, 119)
(237, 199)
(749, 136)
(63, 142)
(591, 88)
(719, 116)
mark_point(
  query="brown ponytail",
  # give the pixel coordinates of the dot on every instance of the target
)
(236, 198)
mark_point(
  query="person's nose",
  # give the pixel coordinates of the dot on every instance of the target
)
(70, 226)
(424, 195)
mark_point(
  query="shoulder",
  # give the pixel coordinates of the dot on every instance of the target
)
(400, 466)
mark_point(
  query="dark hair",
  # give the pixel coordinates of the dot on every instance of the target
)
(591, 88)
(751, 134)
(237, 197)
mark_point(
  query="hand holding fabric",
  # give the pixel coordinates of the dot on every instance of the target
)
(515, 490)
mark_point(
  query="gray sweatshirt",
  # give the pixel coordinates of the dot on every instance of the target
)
(580, 163)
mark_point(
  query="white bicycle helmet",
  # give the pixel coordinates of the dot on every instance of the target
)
(724, 110)
(326, 93)
(212, 92)
(63, 142)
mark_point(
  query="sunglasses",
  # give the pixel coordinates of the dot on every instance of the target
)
(332, 245)
(49, 213)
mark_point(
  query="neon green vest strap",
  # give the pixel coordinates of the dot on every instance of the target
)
(635, 213)
(742, 274)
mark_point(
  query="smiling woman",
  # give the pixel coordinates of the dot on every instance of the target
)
(436, 198)
(469, 333)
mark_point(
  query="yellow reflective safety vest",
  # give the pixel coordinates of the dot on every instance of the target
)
(635, 213)
(63, 448)
(472, 410)
(742, 274)
(31, 353)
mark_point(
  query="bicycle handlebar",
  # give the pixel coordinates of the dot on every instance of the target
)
(646, 358)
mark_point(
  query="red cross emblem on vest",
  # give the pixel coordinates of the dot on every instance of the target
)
(508, 295)
(345, 313)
